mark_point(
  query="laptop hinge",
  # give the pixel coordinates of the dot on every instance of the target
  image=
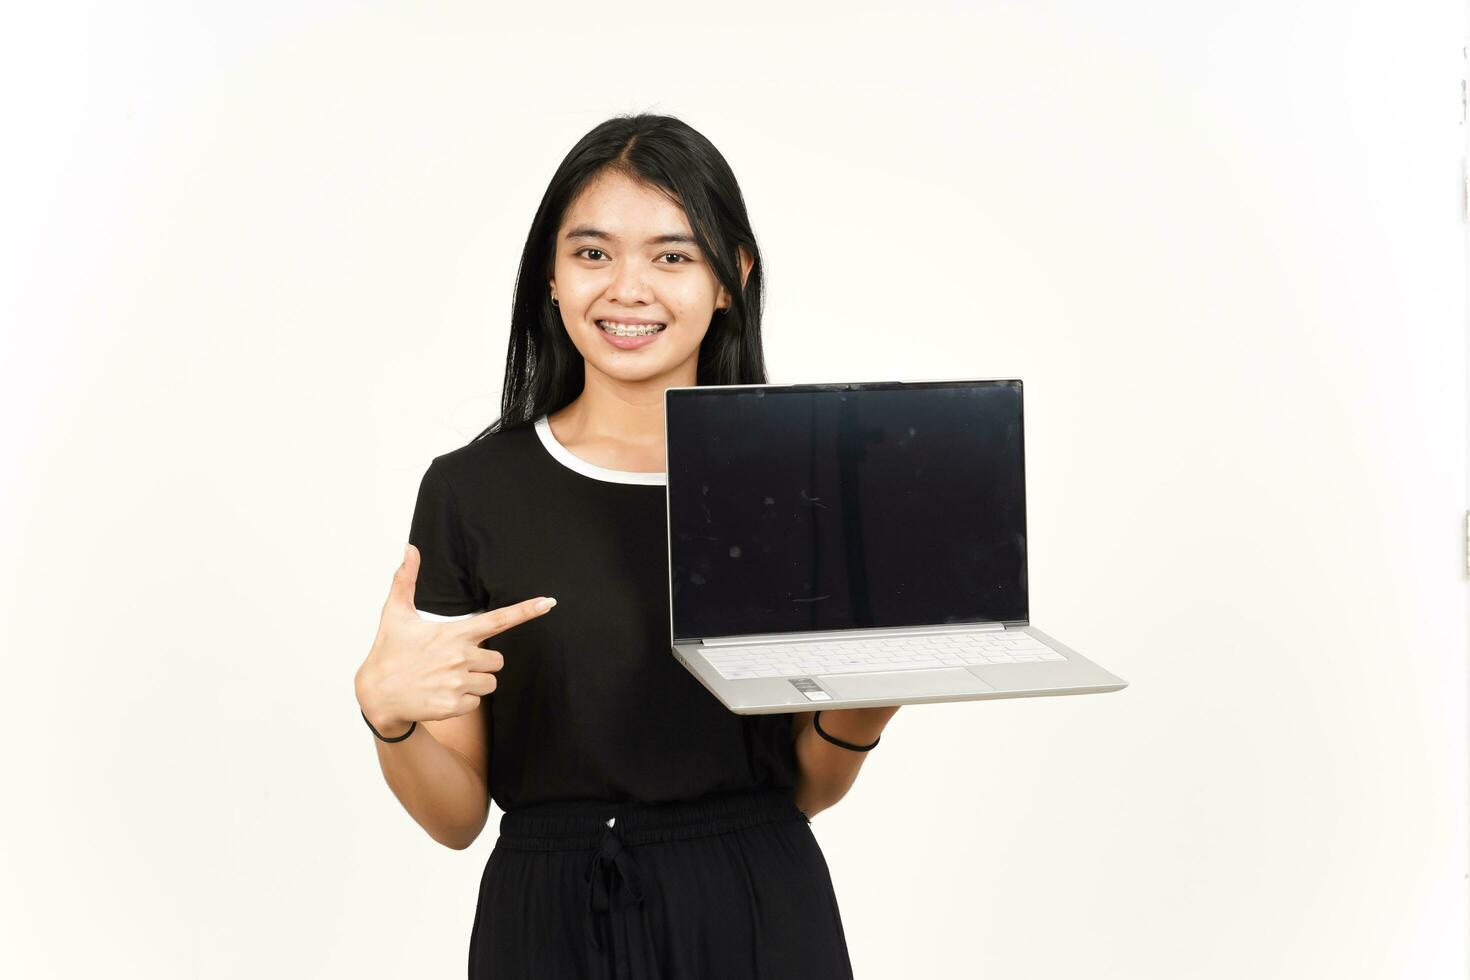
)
(755, 639)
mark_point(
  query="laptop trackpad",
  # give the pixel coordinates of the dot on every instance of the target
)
(903, 683)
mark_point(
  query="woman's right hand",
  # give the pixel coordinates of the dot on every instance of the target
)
(426, 670)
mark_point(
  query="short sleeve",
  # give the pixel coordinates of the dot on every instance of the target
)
(447, 584)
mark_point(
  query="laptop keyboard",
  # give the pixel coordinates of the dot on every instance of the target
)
(899, 653)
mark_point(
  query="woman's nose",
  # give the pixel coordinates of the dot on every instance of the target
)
(629, 284)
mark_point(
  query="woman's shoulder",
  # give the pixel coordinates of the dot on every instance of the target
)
(491, 458)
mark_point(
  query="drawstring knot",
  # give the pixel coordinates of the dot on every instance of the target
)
(612, 876)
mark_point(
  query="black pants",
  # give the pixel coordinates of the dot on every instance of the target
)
(734, 886)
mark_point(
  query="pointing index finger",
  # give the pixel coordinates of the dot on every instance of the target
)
(499, 620)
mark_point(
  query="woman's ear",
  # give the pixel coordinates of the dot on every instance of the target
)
(745, 265)
(722, 299)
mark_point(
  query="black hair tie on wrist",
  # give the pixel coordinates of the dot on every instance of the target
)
(839, 742)
(396, 738)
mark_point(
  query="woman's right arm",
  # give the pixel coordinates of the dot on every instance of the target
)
(435, 673)
(440, 773)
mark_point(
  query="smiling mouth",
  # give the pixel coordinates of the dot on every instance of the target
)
(630, 329)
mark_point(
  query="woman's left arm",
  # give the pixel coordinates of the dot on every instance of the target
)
(825, 772)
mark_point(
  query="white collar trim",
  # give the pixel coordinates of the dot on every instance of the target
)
(565, 457)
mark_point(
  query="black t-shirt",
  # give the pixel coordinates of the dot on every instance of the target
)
(591, 704)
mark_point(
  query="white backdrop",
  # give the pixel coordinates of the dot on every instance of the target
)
(256, 263)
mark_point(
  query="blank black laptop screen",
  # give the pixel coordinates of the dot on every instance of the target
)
(832, 507)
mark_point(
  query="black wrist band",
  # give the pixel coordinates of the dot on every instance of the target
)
(837, 741)
(396, 738)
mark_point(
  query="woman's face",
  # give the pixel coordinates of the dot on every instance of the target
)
(625, 253)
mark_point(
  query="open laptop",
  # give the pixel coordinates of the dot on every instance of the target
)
(855, 545)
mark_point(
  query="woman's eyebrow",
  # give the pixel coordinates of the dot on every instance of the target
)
(676, 237)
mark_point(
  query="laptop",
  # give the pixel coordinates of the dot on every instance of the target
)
(855, 545)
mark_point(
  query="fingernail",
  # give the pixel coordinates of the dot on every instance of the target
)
(544, 604)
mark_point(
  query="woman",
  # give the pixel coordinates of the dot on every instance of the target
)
(647, 830)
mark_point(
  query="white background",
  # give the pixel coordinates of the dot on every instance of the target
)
(256, 263)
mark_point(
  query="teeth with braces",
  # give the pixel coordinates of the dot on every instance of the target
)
(619, 330)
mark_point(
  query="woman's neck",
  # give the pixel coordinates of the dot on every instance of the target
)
(613, 431)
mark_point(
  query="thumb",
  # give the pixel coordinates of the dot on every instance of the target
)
(400, 594)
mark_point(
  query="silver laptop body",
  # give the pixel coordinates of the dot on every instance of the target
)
(855, 545)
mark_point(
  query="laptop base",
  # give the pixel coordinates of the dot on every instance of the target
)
(870, 689)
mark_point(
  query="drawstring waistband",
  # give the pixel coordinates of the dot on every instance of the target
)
(616, 889)
(577, 825)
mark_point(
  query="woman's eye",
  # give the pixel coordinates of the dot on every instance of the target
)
(597, 253)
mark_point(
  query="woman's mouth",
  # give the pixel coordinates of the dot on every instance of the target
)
(630, 336)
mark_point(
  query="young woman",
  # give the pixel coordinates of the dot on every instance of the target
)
(647, 830)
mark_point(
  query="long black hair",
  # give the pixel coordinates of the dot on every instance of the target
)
(543, 369)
